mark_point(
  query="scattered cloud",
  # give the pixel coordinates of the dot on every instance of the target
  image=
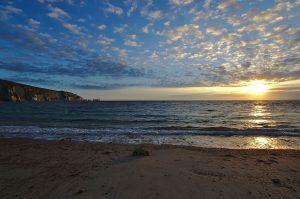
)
(33, 23)
(168, 23)
(70, 2)
(133, 6)
(113, 9)
(101, 27)
(57, 13)
(152, 14)
(8, 10)
(181, 2)
(228, 4)
(216, 31)
(122, 53)
(73, 28)
(146, 28)
(185, 30)
(102, 86)
(186, 42)
(234, 20)
(267, 16)
(207, 4)
(120, 29)
(102, 40)
(130, 43)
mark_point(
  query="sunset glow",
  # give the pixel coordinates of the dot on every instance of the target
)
(154, 50)
(257, 87)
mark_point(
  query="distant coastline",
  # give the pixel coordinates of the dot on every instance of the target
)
(16, 92)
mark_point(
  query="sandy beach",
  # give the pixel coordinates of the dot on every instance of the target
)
(66, 169)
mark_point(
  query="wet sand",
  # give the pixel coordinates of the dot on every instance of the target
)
(66, 169)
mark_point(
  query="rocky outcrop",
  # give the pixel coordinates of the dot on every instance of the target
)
(15, 92)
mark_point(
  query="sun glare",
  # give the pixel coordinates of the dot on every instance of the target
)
(257, 87)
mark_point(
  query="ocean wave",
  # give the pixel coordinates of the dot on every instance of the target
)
(33, 131)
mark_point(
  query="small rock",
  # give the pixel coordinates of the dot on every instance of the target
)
(276, 181)
(107, 152)
(140, 152)
(229, 155)
(66, 140)
(80, 191)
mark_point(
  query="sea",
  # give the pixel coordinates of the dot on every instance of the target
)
(213, 124)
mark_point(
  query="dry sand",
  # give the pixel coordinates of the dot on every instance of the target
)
(63, 169)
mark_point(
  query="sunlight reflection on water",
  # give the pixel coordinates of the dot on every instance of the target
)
(248, 142)
(260, 119)
(264, 143)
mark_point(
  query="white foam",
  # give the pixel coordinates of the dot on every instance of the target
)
(132, 136)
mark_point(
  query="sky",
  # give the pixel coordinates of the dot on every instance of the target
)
(153, 49)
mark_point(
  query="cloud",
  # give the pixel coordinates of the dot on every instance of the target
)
(130, 43)
(154, 55)
(145, 29)
(120, 29)
(70, 2)
(113, 9)
(195, 56)
(66, 59)
(168, 23)
(234, 20)
(23, 37)
(33, 23)
(93, 67)
(283, 6)
(218, 46)
(268, 15)
(74, 28)
(57, 13)
(101, 86)
(101, 27)
(133, 6)
(252, 27)
(231, 37)
(60, 15)
(181, 2)
(122, 53)
(33, 80)
(216, 31)
(207, 4)
(228, 4)
(8, 10)
(82, 20)
(102, 40)
(152, 14)
(185, 30)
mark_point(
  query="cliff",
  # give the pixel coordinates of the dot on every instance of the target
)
(12, 91)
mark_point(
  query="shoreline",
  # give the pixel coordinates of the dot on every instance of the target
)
(201, 141)
(70, 169)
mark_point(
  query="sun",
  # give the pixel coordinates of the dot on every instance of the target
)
(257, 87)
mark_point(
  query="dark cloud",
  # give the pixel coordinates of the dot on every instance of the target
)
(30, 80)
(246, 65)
(25, 37)
(286, 89)
(101, 87)
(100, 68)
(19, 67)
(70, 60)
